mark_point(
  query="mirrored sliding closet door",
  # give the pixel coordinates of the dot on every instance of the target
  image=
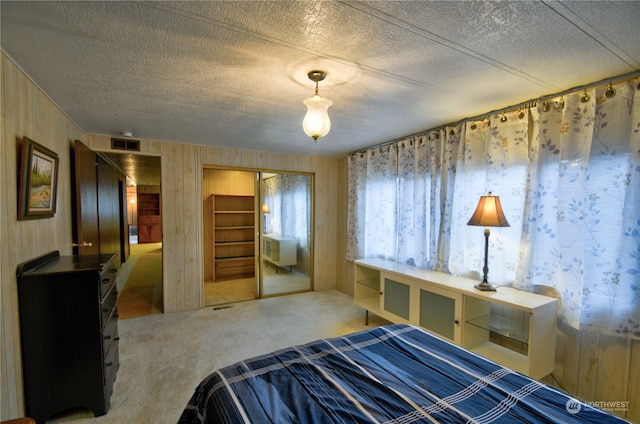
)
(286, 252)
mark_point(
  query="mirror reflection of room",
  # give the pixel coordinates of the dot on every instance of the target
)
(286, 241)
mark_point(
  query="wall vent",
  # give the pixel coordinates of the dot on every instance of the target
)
(125, 144)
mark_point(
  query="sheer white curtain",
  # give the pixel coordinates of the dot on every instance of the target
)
(372, 222)
(289, 199)
(582, 218)
(399, 204)
(416, 181)
(493, 158)
(568, 177)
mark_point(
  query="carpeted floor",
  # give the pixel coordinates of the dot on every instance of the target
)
(163, 357)
(140, 282)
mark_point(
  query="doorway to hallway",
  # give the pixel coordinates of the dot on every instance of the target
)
(139, 282)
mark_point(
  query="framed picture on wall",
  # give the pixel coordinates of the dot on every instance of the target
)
(38, 181)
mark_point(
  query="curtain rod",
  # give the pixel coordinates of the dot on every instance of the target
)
(528, 103)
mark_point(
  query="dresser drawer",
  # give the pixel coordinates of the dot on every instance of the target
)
(107, 279)
(108, 305)
(110, 333)
(111, 365)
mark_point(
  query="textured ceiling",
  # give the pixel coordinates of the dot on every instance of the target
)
(233, 73)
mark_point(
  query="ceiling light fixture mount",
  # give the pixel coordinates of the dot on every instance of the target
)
(316, 122)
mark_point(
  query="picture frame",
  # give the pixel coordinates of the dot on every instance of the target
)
(38, 188)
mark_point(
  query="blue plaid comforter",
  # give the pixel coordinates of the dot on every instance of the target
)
(392, 374)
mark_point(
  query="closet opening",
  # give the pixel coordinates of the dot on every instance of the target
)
(257, 234)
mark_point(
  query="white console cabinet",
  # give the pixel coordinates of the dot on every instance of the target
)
(278, 250)
(514, 328)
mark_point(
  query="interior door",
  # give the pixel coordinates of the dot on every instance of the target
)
(87, 235)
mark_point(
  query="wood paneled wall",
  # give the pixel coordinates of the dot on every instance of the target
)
(182, 210)
(27, 111)
(228, 181)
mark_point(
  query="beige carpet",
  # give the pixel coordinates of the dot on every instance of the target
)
(164, 356)
(141, 277)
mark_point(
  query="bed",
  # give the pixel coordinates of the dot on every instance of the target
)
(390, 374)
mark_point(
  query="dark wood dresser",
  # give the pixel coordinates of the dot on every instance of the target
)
(69, 327)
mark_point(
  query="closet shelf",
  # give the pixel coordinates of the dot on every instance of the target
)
(232, 243)
(234, 227)
(234, 258)
(223, 212)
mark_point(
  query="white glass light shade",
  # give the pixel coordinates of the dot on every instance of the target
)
(316, 122)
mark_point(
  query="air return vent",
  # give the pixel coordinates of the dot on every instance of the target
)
(125, 144)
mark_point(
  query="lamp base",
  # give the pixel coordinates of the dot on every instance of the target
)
(485, 286)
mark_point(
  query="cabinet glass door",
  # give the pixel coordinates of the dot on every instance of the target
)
(396, 298)
(440, 313)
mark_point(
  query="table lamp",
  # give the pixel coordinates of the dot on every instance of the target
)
(488, 214)
(265, 212)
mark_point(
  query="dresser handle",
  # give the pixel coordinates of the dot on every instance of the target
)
(117, 339)
(106, 281)
(107, 337)
(113, 270)
(108, 364)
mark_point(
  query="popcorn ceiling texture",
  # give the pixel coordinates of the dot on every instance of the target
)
(233, 74)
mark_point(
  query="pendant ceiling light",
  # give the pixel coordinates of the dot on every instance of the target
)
(316, 122)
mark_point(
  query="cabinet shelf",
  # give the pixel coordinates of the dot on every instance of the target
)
(374, 283)
(502, 326)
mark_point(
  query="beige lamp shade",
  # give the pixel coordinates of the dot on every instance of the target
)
(489, 213)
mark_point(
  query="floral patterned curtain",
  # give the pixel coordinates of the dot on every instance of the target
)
(493, 158)
(568, 175)
(372, 204)
(582, 219)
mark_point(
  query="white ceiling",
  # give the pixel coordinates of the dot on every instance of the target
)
(233, 73)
